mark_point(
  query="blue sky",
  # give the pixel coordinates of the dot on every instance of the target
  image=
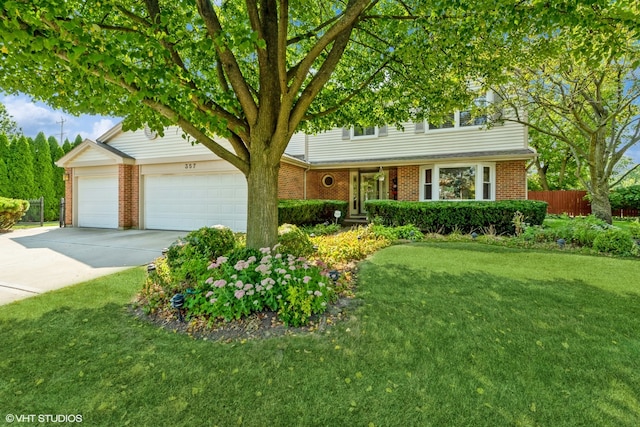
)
(33, 117)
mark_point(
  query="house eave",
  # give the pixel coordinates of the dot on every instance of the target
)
(522, 154)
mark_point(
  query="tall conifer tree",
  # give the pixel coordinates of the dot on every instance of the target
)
(20, 169)
(43, 176)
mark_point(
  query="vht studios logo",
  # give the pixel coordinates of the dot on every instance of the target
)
(43, 418)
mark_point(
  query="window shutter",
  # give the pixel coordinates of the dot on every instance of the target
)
(346, 133)
(419, 127)
(382, 131)
(496, 117)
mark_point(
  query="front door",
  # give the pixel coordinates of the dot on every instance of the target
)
(367, 186)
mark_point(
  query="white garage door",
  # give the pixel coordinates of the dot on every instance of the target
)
(188, 202)
(98, 201)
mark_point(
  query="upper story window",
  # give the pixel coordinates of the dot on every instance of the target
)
(362, 132)
(458, 182)
(449, 122)
(465, 118)
(470, 117)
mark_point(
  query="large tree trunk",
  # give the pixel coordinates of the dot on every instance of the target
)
(600, 204)
(262, 214)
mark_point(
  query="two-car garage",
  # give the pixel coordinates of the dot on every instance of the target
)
(135, 180)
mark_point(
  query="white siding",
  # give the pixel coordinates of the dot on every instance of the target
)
(296, 145)
(329, 146)
(170, 147)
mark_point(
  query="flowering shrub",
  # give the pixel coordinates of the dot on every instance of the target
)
(294, 241)
(236, 287)
(351, 245)
(190, 256)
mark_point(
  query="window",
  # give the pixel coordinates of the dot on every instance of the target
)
(486, 183)
(361, 132)
(449, 122)
(458, 182)
(470, 117)
(328, 181)
(428, 184)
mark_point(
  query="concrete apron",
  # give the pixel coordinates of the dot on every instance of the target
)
(37, 260)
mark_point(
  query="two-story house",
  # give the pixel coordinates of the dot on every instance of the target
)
(140, 180)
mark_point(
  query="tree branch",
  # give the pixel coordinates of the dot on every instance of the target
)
(229, 62)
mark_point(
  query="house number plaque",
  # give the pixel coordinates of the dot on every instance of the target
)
(189, 165)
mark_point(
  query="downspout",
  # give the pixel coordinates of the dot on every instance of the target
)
(306, 159)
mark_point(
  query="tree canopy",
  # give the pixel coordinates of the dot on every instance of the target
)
(257, 71)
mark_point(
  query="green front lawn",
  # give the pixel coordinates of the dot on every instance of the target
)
(448, 334)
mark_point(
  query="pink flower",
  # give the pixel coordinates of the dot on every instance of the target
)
(208, 294)
(267, 281)
(239, 284)
(220, 283)
(239, 293)
(318, 293)
(213, 301)
(248, 286)
(306, 279)
(209, 281)
(265, 250)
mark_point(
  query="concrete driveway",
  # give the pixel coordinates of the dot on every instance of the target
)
(37, 260)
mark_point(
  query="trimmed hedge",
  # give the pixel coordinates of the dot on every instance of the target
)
(466, 217)
(11, 210)
(309, 212)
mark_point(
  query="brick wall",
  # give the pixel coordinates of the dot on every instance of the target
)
(290, 182)
(338, 191)
(68, 197)
(125, 191)
(511, 180)
(135, 197)
(409, 182)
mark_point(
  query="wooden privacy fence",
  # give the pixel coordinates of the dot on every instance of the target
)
(572, 202)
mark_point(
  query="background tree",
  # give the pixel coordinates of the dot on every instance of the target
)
(590, 105)
(4, 173)
(257, 72)
(555, 167)
(77, 141)
(43, 176)
(20, 169)
(58, 182)
(66, 146)
(7, 125)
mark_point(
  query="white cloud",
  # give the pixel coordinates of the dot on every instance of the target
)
(34, 117)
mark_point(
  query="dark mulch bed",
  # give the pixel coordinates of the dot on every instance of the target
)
(261, 325)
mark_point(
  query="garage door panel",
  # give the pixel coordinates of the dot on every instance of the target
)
(98, 202)
(188, 202)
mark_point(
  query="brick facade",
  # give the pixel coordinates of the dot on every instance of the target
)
(290, 182)
(409, 182)
(338, 191)
(511, 180)
(68, 196)
(128, 196)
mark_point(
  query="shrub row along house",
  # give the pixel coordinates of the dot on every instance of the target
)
(141, 180)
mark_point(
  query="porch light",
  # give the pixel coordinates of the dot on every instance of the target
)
(177, 301)
(561, 243)
(65, 177)
(337, 215)
(380, 174)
